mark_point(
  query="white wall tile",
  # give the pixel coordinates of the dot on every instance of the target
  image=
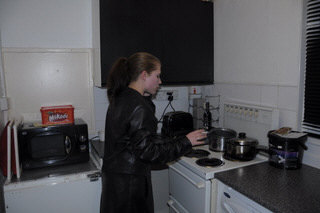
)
(288, 118)
(250, 93)
(288, 98)
(239, 92)
(225, 90)
(100, 124)
(269, 96)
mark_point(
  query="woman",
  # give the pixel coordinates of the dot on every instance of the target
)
(131, 142)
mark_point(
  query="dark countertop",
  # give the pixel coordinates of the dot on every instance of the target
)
(276, 189)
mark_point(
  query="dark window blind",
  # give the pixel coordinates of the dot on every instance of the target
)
(311, 118)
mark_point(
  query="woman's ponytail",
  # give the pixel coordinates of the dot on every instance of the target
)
(126, 70)
(118, 78)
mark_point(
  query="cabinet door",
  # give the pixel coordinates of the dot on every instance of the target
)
(178, 32)
(81, 196)
(188, 42)
(126, 27)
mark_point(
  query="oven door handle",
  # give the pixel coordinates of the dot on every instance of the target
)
(198, 185)
(170, 203)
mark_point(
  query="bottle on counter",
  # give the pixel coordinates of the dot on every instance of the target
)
(207, 117)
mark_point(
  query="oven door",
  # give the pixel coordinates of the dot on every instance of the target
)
(188, 191)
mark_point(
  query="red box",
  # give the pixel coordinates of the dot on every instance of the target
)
(63, 114)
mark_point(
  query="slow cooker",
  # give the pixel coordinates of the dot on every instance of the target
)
(286, 151)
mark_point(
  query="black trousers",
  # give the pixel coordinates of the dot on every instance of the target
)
(126, 193)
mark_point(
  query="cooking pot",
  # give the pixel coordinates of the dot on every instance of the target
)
(241, 148)
(219, 137)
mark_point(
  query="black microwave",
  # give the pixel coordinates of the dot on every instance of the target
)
(53, 145)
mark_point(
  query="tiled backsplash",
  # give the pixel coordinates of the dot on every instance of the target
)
(284, 98)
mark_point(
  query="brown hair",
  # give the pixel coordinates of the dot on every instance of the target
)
(126, 70)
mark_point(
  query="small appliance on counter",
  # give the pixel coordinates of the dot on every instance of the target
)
(43, 146)
(286, 148)
(63, 114)
(176, 124)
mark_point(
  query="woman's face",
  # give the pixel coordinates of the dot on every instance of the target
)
(153, 81)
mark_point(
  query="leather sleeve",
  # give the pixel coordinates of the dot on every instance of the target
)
(149, 146)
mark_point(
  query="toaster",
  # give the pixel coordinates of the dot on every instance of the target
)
(176, 124)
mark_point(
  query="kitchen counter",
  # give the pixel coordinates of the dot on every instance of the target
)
(285, 191)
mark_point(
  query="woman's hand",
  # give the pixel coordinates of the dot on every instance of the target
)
(197, 137)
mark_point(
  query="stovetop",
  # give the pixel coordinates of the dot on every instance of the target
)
(207, 172)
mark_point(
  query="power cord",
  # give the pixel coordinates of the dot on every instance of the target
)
(170, 99)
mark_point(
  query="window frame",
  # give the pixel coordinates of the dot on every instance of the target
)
(312, 132)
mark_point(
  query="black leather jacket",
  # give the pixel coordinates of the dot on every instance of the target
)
(131, 141)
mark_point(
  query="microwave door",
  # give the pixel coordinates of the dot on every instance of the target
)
(68, 145)
(51, 146)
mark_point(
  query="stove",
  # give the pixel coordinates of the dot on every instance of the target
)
(192, 183)
(207, 172)
(197, 153)
(210, 162)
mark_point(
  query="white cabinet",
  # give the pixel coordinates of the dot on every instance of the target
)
(231, 201)
(78, 193)
(188, 191)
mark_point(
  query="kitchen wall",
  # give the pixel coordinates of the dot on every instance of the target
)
(257, 56)
(68, 24)
(2, 122)
(46, 24)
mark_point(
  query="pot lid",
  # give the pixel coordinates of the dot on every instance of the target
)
(222, 132)
(242, 139)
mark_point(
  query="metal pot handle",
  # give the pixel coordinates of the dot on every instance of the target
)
(264, 149)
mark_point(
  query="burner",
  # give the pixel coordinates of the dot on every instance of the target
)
(210, 162)
(197, 153)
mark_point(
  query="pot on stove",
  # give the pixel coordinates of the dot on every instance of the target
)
(219, 137)
(241, 148)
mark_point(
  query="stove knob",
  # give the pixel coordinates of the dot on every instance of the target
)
(82, 138)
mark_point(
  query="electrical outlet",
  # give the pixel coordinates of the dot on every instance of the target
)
(163, 96)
